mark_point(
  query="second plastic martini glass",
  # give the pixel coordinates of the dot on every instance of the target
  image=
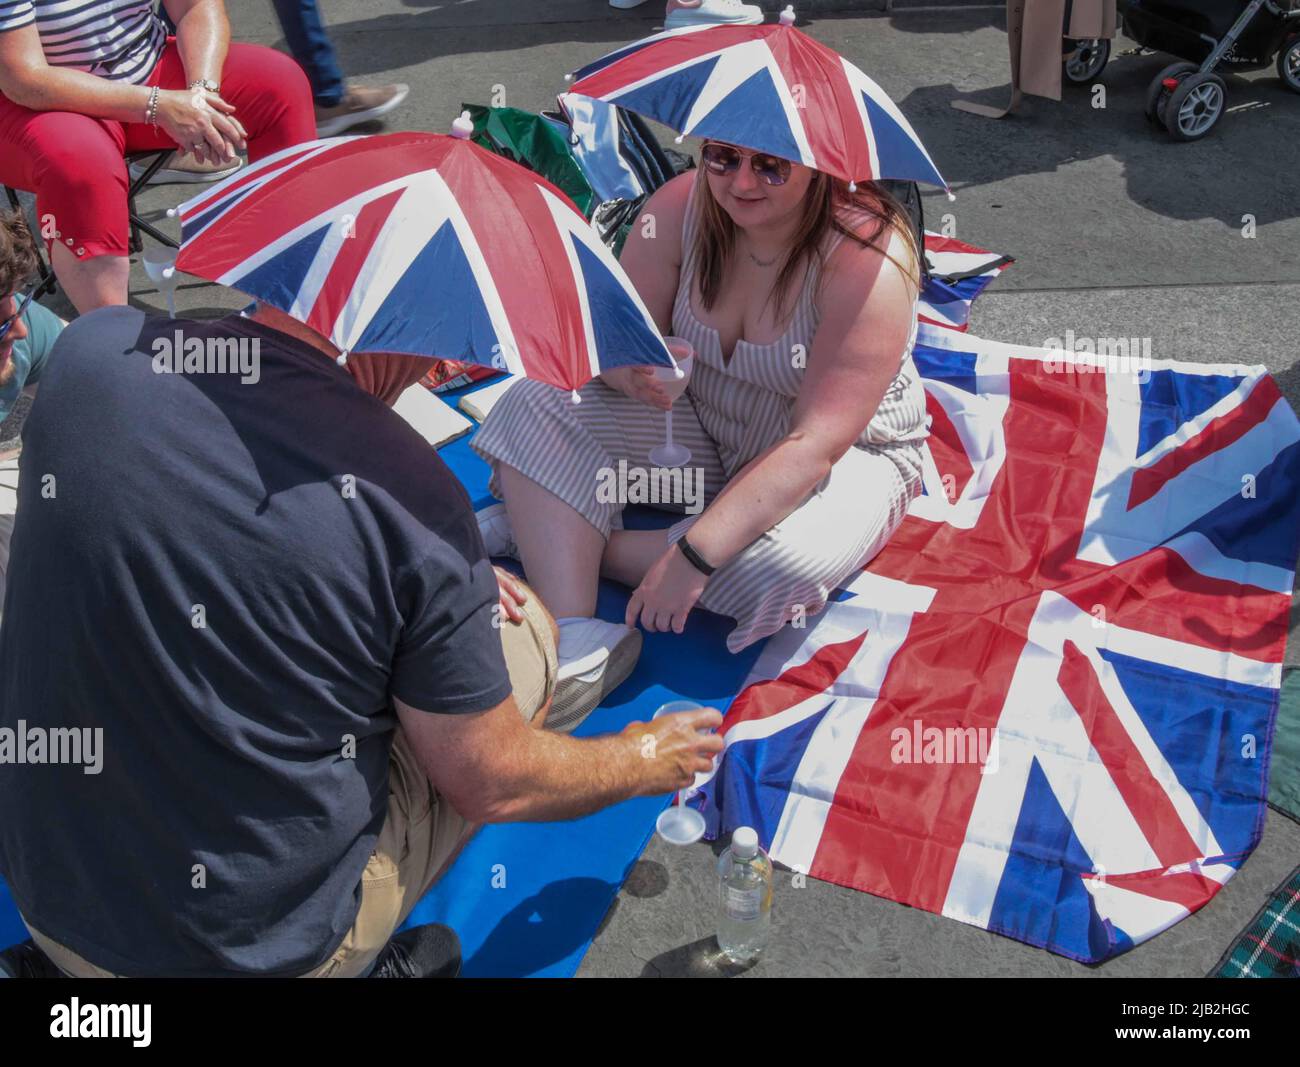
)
(678, 824)
(674, 379)
(159, 264)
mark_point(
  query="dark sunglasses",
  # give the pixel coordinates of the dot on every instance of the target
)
(726, 159)
(22, 302)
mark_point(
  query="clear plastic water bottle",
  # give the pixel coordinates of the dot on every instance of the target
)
(744, 897)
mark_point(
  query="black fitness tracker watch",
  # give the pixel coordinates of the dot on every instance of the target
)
(693, 557)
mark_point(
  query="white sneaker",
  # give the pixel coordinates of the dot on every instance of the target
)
(714, 13)
(595, 657)
(494, 527)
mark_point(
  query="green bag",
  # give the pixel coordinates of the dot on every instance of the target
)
(539, 142)
(533, 142)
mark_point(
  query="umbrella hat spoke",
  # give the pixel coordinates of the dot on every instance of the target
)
(551, 323)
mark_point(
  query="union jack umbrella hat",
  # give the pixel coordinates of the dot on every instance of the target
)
(769, 88)
(423, 244)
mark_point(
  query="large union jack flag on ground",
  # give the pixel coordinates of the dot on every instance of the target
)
(1045, 708)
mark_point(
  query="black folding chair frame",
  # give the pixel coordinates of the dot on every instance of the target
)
(138, 224)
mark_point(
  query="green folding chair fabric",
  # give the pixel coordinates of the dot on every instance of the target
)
(530, 140)
(1284, 770)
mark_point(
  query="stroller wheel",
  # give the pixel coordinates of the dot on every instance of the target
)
(1288, 64)
(1195, 106)
(1158, 94)
(1085, 62)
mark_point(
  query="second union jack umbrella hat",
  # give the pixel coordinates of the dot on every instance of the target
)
(772, 89)
(423, 244)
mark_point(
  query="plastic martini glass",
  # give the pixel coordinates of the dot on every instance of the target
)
(678, 824)
(159, 264)
(673, 379)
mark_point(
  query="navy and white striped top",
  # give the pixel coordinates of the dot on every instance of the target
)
(118, 39)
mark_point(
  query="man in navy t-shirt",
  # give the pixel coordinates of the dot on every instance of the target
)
(267, 682)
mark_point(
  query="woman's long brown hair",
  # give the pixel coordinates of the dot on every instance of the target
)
(715, 236)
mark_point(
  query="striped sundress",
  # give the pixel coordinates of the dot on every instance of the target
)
(730, 413)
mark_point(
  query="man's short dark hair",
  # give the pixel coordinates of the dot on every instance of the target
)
(18, 259)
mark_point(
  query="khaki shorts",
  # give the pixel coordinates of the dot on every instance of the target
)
(422, 834)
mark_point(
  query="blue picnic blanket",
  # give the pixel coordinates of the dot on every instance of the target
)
(560, 878)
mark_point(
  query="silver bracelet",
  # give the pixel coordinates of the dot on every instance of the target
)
(151, 109)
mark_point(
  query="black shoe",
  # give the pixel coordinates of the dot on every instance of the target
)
(25, 960)
(429, 951)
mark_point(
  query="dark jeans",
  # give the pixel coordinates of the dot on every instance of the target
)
(305, 34)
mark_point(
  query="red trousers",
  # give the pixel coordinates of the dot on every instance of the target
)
(75, 164)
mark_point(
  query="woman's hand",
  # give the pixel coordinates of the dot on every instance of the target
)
(202, 124)
(640, 384)
(666, 594)
(513, 595)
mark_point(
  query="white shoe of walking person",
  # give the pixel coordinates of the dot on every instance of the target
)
(360, 103)
(684, 13)
(595, 657)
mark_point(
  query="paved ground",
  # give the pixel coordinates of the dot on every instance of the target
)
(662, 925)
(1117, 232)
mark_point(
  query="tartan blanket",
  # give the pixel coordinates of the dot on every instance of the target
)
(1270, 946)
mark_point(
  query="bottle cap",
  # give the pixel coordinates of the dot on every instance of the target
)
(744, 842)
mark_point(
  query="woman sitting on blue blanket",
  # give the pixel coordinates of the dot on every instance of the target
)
(804, 415)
